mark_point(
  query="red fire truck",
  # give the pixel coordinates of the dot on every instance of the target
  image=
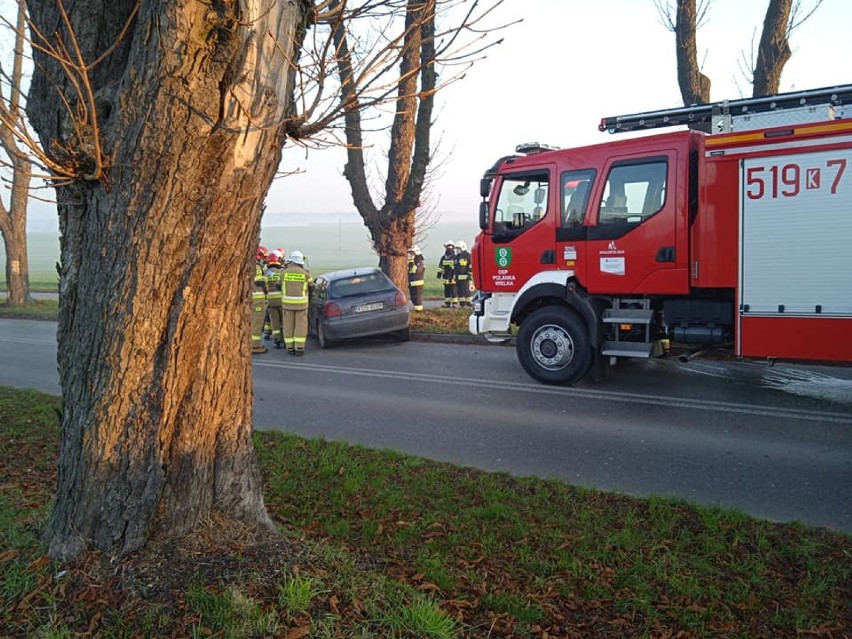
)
(739, 236)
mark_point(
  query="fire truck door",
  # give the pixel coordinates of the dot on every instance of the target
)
(521, 242)
(637, 238)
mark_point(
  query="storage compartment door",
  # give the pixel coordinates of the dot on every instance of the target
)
(795, 253)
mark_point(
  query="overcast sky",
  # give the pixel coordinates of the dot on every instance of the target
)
(567, 65)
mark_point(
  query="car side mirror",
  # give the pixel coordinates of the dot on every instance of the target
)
(484, 187)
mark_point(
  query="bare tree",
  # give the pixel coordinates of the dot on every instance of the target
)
(163, 124)
(688, 17)
(773, 52)
(402, 34)
(13, 219)
(392, 225)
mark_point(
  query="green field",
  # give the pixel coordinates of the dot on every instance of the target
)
(329, 246)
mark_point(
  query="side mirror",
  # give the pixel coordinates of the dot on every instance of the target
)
(484, 187)
(483, 214)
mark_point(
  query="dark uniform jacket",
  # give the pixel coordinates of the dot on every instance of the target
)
(462, 266)
(416, 270)
(447, 268)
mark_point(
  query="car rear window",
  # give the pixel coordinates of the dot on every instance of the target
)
(360, 285)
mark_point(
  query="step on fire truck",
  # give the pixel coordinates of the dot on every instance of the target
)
(739, 236)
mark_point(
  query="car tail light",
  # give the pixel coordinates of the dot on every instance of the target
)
(331, 309)
(400, 299)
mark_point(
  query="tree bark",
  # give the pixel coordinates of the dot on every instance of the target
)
(13, 221)
(157, 257)
(774, 52)
(14, 231)
(13, 226)
(694, 85)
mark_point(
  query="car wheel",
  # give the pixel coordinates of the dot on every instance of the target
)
(553, 346)
(404, 335)
(324, 342)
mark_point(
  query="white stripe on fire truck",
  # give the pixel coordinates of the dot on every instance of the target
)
(791, 144)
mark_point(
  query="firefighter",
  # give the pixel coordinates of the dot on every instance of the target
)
(463, 281)
(258, 302)
(267, 322)
(416, 271)
(297, 283)
(447, 273)
(274, 293)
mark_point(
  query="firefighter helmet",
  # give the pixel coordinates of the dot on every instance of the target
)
(461, 245)
(261, 254)
(297, 258)
(416, 250)
(449, 244)
(273, 259)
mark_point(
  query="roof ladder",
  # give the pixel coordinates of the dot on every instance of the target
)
(704, 113)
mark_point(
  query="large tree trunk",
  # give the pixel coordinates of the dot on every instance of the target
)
(157, 256)
(392, 235)
(774, 52)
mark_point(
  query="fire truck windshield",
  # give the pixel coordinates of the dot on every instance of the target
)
(521, 203)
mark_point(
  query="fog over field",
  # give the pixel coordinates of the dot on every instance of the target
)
(330, 240)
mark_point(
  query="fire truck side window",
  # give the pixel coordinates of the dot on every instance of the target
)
(633, 192)
(522, 202)
(576, 186)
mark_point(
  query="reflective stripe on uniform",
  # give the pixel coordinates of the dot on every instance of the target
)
(294, 300)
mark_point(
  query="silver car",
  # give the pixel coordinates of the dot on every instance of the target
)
(355, 303)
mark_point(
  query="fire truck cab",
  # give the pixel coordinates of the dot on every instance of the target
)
(739, 237)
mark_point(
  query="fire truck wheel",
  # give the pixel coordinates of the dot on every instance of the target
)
(553, 346)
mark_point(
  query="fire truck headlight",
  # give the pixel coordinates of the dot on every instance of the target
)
(478, 303)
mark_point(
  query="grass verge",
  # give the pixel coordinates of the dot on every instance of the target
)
(378, 544)
(451, 321)
(37, 310)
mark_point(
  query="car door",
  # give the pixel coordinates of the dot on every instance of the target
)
(318, 295)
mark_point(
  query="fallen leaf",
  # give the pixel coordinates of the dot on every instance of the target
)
(10, 554)
(298, 633)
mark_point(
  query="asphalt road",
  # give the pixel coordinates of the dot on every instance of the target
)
(773, 441)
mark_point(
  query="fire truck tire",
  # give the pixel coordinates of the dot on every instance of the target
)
(553, 346)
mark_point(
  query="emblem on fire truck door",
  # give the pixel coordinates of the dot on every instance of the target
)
(503, 256)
